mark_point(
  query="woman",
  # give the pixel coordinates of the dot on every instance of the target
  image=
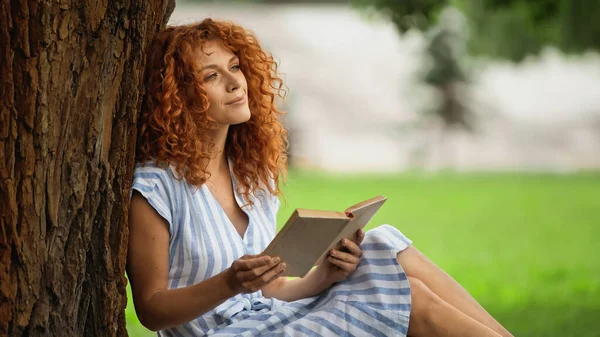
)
(204, 203)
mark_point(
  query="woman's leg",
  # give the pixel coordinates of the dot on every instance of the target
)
(431, 316)
(416, 265)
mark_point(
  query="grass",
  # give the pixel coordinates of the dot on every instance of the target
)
(524, 245)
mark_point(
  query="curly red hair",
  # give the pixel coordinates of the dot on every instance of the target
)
(174, 130)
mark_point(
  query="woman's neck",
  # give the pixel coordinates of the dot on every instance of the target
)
(219, 162)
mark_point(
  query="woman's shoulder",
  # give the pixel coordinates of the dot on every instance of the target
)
(150, 170)
(149, 167)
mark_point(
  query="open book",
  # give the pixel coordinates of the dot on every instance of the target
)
(309, 235)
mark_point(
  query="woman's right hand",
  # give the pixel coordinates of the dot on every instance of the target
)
(252, 272)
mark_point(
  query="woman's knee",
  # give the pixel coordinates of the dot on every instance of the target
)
(423, 302)
(422, 298)
(412, 261)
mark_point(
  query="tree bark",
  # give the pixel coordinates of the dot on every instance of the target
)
(70, 89)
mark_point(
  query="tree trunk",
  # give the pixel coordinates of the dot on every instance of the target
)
(70, 80)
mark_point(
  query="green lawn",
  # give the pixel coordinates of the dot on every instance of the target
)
(525, 245)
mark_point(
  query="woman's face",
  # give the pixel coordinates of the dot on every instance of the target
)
(224, 84)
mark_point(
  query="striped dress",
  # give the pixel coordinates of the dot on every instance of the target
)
(373, 301)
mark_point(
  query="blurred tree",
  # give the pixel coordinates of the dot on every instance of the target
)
(445, 73)
(449, 114)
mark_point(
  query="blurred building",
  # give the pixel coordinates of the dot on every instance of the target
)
(354, 100)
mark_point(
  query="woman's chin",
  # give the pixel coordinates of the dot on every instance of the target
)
(241, 117)
(237, 115)
(237, 121)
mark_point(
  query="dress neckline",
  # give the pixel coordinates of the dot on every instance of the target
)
(239, 201)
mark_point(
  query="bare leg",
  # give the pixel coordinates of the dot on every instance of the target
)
(417, 265)
(431, 316)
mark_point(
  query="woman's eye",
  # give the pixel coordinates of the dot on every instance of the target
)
(236, 67)
(210, 77)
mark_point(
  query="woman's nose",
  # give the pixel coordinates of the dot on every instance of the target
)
(233, 84)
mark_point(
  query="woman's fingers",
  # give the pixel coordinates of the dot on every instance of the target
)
(345, 266)
(265, 278)
(249, 262)
(352, 247)
(360, 236)
(248, 275)
(347, 261)
(344, 257)
(252, 272)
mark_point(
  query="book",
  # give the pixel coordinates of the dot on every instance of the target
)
(308, 235)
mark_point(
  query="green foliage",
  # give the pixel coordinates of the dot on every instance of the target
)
(406, 14)
(509, 29)
(580, 25)
(572, 25)
(510, 32)
(523, 245)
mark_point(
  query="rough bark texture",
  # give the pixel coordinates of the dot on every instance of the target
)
(70, 80)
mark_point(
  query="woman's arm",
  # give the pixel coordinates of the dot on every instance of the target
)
(157, 306)
(294, 289)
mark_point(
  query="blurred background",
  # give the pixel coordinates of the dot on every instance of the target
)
(479, 120)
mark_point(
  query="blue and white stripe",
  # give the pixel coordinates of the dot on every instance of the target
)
(373, 301)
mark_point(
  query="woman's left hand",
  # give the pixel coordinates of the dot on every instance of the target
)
(340, 263)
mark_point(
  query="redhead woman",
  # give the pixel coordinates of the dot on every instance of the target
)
(210, 155)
